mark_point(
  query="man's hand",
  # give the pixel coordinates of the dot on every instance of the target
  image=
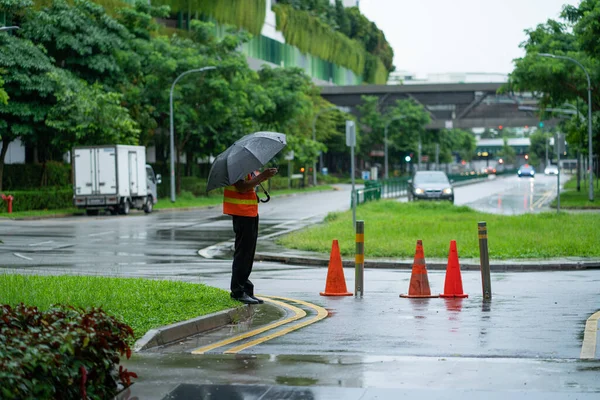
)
(246, 186)
(268, 173)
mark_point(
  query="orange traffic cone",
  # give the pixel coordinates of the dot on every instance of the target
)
(419, 283)
(336, 282)
(453, 285)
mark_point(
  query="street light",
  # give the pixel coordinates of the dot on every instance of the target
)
(8, 28)
(172, 136)
(590, 159)
(314, 132)
(385, 143)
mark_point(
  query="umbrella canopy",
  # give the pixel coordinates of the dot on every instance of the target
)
(246, 155)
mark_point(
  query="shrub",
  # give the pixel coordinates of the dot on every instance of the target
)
(49, 199)
(31, 176)
(63, 353)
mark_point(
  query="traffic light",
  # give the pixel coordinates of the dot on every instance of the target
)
(500, 127)
(407, 158)
(302, 169)
(527, 156)
(541, 124)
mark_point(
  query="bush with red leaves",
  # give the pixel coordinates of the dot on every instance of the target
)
(63, 353)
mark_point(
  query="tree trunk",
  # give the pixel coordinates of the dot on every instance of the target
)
(3, 152)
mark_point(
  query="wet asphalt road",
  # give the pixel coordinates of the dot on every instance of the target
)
(528, 338)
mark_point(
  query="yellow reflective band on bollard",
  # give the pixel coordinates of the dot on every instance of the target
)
(360, 259)
(360, 237)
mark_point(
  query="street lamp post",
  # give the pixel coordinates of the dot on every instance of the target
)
(385, 143)
(587, 75)
(314, 136)
(172, 136)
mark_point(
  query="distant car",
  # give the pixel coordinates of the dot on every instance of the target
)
(551, 170)
(526, 170)
(430, 185)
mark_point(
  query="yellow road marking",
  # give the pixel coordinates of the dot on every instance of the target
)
(588, 348)
(540, 202)
(321, 313)
(298, 313)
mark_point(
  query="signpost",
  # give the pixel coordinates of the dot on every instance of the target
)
(351, 142)
(559, 147)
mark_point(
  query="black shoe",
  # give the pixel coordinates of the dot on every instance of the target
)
(260, 301)
(244, 298)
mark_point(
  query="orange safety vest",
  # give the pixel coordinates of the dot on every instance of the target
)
(238, 203)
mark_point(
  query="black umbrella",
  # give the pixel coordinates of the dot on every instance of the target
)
(246, 155)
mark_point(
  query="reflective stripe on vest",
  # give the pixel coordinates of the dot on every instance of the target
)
(238, 203)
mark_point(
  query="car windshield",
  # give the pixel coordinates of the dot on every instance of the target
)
(526, 168)
(430, 177)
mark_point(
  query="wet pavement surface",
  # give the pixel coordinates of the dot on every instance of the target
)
(525, 343)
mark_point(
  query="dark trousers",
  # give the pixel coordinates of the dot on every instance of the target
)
(246, 235)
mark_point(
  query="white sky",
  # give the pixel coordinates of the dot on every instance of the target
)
(436, 36)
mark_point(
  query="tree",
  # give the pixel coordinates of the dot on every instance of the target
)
(403, 134)
(558, 81)
(79, 37)
(88, 115)
(31, 92)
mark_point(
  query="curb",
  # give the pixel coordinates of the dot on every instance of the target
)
(181, 330)
(508, 266)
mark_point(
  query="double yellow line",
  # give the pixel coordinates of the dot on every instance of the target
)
(298, 314)
(545, 197)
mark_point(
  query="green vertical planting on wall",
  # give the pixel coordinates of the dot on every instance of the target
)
(247, 14)
(312, 36)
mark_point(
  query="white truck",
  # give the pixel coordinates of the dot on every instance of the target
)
(114, 178)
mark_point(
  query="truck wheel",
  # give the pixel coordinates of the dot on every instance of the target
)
(92, 212)
(125, 207)
(149, 206)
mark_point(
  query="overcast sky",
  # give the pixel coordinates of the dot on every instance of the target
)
(436, 36)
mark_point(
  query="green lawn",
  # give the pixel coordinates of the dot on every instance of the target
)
(141, 303)
(570, 198)
(392, 229)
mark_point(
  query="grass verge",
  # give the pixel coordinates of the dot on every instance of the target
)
(143, 304)
(570, 198)
(392, 229)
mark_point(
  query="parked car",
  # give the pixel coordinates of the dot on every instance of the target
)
(430, 185)
(526, 170)
(551, 170)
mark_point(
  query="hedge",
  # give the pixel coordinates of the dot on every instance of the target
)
(63, 353)
(32, 176)
(47, 199)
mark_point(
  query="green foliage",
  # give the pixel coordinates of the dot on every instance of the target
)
(88, 115)
(32, 176)
(403, 134)
(559, 81)
(62, 353)
(312, 36)
(79, 37)
(49, 199)
(351, 23)
(537, 148)
(247, 14)
(3, 94)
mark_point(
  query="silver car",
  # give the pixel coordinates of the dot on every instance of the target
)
(430, 185)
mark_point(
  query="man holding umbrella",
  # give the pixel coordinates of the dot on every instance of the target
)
(241, 202)
(234, 169)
